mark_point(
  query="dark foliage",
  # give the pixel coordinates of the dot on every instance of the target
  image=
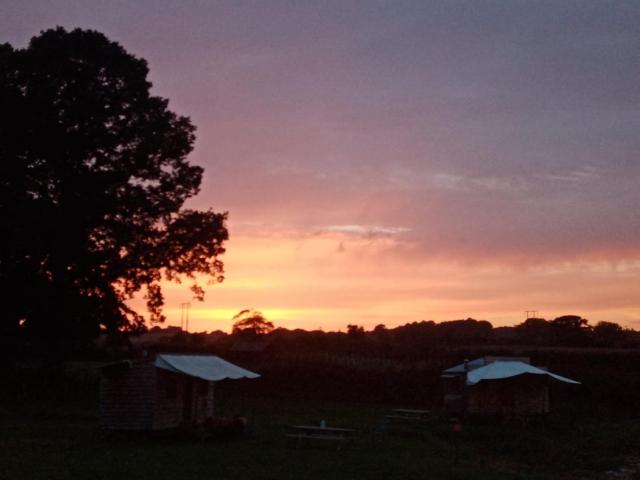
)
(573, 331)
(251, 322)
(355, 331)
(416, 340)
(93, 179)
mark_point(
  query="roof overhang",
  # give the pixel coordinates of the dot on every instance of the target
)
(205, 367)
(510, 369)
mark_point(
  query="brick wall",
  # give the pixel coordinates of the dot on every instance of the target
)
(144, 397)
(127, 397)
(522, 395)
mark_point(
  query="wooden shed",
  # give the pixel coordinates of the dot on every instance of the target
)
(167, 391)
(505, 386)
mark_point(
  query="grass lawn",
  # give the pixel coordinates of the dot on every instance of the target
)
(65, 443)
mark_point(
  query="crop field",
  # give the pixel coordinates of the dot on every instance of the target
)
(52, 432)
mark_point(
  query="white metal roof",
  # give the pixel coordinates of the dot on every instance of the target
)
(206, 367)
(507, 369)
(482, 361)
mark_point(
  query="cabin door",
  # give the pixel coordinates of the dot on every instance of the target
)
(187, 401)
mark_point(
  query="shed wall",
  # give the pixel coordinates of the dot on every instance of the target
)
(181, 400)
(145, 397)
(522, 395)
(127, 398)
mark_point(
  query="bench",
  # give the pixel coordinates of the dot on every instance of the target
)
(312, 433)
(407, 415)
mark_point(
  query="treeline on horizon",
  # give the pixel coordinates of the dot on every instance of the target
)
(563, 331)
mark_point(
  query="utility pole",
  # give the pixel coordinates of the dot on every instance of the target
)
(184, 316)
(531, 313)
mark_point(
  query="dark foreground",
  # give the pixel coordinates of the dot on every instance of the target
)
(56, 436)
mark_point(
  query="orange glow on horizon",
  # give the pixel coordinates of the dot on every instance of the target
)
(330, 280)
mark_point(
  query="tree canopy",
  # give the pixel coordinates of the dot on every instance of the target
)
(251, 322)
(93, 180)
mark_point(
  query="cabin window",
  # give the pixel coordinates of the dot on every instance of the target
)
(170, 388)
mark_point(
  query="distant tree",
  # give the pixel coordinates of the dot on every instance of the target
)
(570, 330)
(93, 180)
(380, 331)
(251, 322)
(570, 322)
(608, 334)
(467, 331)
(355, 331)
(534, 331)
(416, 334)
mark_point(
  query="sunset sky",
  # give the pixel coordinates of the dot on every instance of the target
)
(388, 162)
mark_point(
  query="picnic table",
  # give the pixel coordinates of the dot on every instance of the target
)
(410, 415)
(321, 432)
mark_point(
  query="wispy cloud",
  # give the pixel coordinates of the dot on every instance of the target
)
(580, 175)
(366, 230)
(448, 181)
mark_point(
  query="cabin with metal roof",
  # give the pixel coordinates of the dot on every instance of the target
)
(504, 386)
(168, 391)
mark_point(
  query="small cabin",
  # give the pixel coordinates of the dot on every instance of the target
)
(168, 391)
(503, 386)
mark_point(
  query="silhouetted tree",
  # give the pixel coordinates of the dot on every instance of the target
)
(355, 331)
(534, 331)
(415, 334)
(380, 333)
(608, 334)
(464, 331)
(93, 179)
(570, 330)
(251, 322)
